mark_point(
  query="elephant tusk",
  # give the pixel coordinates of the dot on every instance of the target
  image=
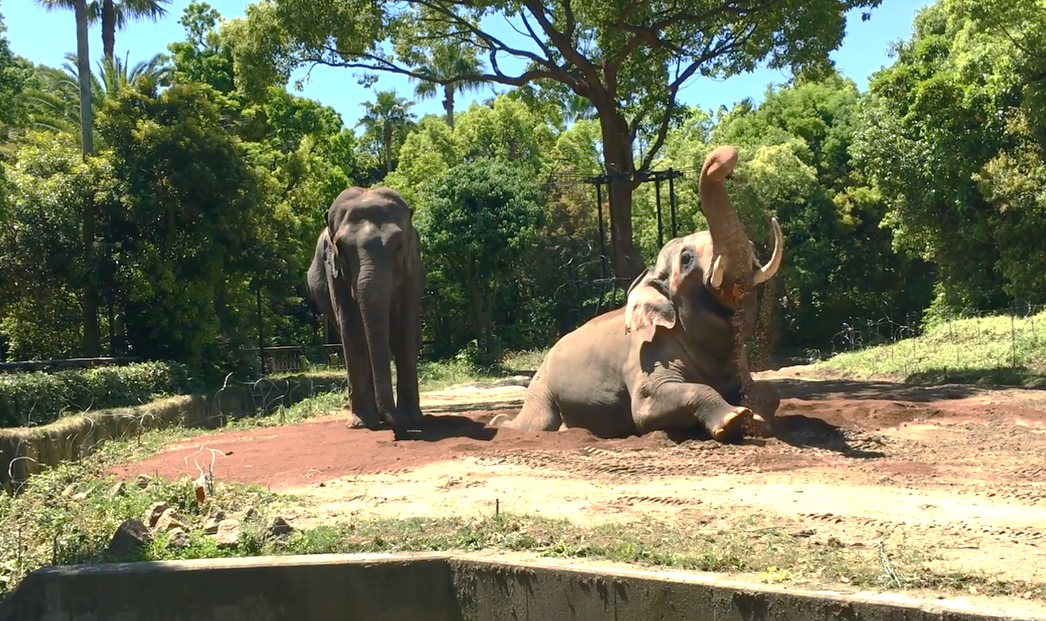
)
(767, 272)
(717, 273)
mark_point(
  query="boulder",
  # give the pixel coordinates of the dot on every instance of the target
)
(129, 539)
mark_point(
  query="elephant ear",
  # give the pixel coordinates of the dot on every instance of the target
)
(648, 306)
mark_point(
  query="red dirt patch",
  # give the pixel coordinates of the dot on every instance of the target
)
(293, 455)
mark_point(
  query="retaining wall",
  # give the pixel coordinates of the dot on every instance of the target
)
(27, 450)
(426, 587)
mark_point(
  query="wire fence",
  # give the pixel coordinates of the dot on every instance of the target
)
(1011, 339)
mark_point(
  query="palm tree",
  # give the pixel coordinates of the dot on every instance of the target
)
(89, 305)
(446, 62)
(115, 15)
(387, 114)
(56, 103)
(576, 108)
(80, 8)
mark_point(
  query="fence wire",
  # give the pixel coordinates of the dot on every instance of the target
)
(1010, 339)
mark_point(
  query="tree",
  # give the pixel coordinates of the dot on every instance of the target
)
(629, 59)
(90, 305)
(41, 244)
(14, 73)
(480, 222)
(954, 143)
(55, 100)
(387, 116)
(115, 14)
(447, 61)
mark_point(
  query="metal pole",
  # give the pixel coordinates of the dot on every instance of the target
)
(261, 341)
(602, 239)
(672, 199)
(660, 227)
(109, 273)
(613, 245)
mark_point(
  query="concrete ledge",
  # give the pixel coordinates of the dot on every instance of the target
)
(425, 587)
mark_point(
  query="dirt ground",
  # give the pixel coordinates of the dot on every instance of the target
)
(961, 469)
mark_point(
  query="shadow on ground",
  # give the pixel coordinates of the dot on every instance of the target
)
(855, 389)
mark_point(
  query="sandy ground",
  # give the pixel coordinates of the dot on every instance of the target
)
(959, 468)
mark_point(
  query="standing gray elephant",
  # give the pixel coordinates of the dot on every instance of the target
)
(667, 360)
(367, 278)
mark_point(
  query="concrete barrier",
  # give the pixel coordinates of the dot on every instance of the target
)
(425, 587)
(27, 450)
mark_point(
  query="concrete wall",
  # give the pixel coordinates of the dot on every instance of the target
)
(425, 587)
(75, 437)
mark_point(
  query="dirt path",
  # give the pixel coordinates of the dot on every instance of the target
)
(956, 468)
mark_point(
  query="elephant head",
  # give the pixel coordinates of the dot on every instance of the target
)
(704, 272)
(374, 254)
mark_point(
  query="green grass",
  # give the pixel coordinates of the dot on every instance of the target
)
(441, 374)
(995, 350)
(68, 515)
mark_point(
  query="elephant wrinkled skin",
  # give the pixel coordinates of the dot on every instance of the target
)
(667, 360)
(367, 278)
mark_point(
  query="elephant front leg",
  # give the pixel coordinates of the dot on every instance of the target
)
(679, 405)
(357, 365)
(405, 351)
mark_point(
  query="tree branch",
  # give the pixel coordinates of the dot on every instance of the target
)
(376, 63)
(562, 43)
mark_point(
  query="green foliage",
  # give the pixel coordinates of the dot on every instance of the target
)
(480, 224)
(14, 73)
(954, 144)
(33, 399)
(41, 244)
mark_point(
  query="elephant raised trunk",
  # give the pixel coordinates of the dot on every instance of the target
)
(732, 270)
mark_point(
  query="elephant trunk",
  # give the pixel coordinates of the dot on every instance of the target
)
(374, 294)
(730, 245)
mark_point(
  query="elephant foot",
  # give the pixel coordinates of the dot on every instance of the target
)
(734, 422)
(501, 420)
(355, 422)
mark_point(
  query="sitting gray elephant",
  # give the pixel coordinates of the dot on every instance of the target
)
(667, 360)
(367, 278)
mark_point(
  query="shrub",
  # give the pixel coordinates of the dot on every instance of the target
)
(38, 398)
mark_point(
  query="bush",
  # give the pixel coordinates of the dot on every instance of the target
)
(31, 399)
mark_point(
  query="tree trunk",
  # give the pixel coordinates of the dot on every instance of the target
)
(448, 103)
(620, 165)
(83, 68)
(388, 147)
(108, 28)
(91, 341)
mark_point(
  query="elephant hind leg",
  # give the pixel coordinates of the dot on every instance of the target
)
(540, 411)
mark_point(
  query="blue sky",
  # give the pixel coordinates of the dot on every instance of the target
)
(44, 37)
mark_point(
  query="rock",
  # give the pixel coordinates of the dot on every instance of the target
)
(280, 526)
(250, 513)
(129, 538)
(210, 525)
(168, 520)
(117, 490)
(143, 480)
(178, 539)
(79, 496)
(68, 491)
(153, 513)
(228, 533)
